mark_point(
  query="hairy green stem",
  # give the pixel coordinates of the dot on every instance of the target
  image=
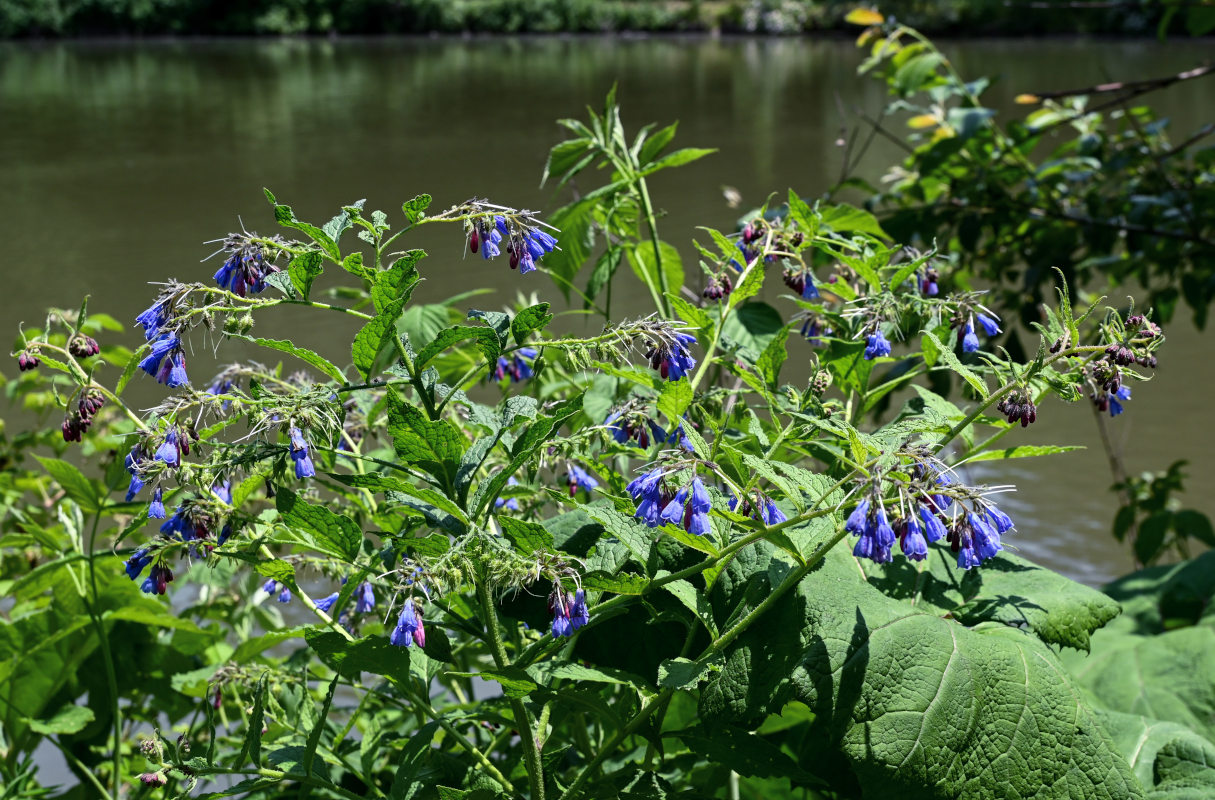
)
(535, 769)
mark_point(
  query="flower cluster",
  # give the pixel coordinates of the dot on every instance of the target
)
(987, 321)
(1018, 406)
(525, 242)
(802, 282)
(82, 346)
(973, 535)
(245, 269)
(159, 576)
(671, 357)
(166, 361)
(78, 420)
(304, 467)
(760, 507)
(273, 587)
(568, 609)
(876, 345)
(688, 506)
(578, 478)
(518, 367)
(410, 628)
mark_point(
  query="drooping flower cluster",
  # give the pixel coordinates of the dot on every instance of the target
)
(688, 506)
(671, 357)
(159, 576)
(973, 535)
(77, 421)
(509, 503)
(304, 467)
(518, 367)
(410, 628)
(802, 282)
(876, 345)
(758, 507)
(525, 243)
(273, 587)
(630, 424)
(568, 609)
(1018, 406)
(246, 267)
(578, 478)
(166, 361)
(988, 322)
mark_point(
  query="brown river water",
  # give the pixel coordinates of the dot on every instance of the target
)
(117, 161)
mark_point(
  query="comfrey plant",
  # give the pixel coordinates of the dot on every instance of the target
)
(663, 555)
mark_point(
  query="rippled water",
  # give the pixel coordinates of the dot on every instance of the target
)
(118, 159)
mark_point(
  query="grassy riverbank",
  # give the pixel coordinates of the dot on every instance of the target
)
(52, 18)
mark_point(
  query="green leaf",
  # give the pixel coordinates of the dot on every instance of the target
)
(899, 691)
(1008, 590)
(744, 752)
(252, 747)
(487, 343)
(1169, 676)
(314, 736)
(397, 281)
(304, 269)
(433, 446)
(693, 315)
(341, 222)
(605, 269)
(915, 72)
(406, 783)
(749, 285)
(773, 358)
(677, 159)
(844, 218)
(387, 483)
(681, 673)
(415, 209)
(373, 336)
(515, 681)
(1024, 451)
(284, 216)
(528, 321)
(951, 361)
(527, 537)
(67, 720)
(79, 488)
(374, 654)
(526, 447)
(753, 326)
(566, 159)
(641, 259)
(302, 353)
(332, 533)
(674, 399)
(1170, 759)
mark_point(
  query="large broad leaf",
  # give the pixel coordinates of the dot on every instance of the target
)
(1008, 589)
(1158, 659)
(919, 705)
(1170, 760)
(1169, 677)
